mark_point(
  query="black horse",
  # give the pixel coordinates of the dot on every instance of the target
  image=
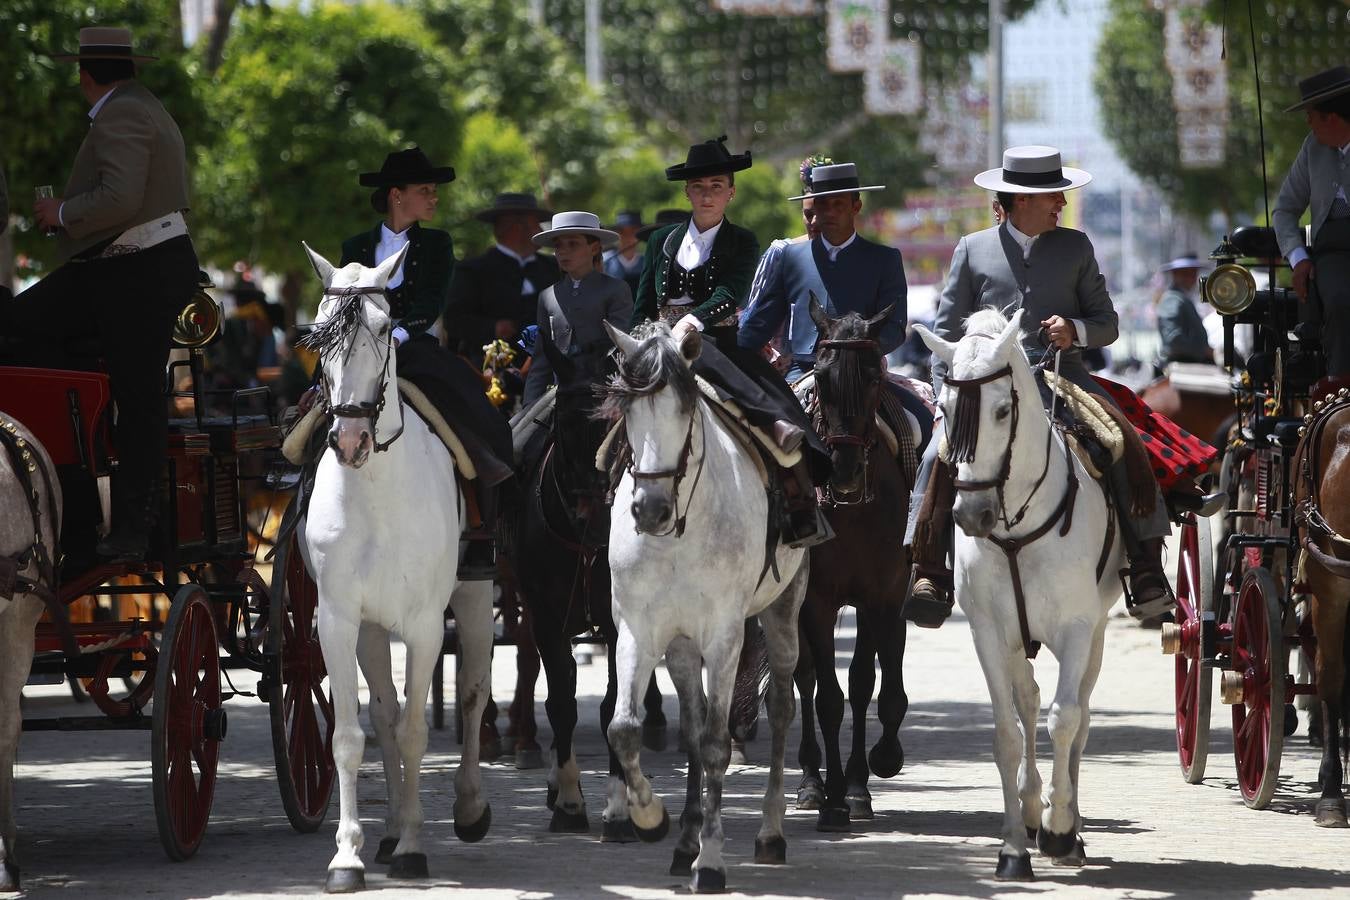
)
(865, 566)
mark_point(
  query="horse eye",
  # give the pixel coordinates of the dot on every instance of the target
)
(1002, 411)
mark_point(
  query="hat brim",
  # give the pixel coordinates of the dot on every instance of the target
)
(489, 215)
(684, 172)
(438, 175)
(76, 57)
(1326, 94)
(992, 180)
(863, 189)
(549, 238)
(1177, 265)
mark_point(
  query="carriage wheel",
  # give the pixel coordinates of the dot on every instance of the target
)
(1194, 584)
(301, 708)
(188, 723)
(1258, 665)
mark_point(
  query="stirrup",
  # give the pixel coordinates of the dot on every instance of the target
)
(924, 610)
(1146, 609)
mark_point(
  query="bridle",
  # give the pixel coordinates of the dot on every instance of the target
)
(867, 440)
(365, 409)
(677, 473)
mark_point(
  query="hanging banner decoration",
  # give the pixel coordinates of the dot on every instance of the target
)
(892, 83)
(857, 31)
(766, 7)
(1193, 53)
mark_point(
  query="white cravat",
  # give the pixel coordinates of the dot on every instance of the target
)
(832, 250)
(526, 286)
(390, 243)
(696, 246)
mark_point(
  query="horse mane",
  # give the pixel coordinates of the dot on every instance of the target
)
(844, 369)
(330, 335)
(656, 364)
(989, 321)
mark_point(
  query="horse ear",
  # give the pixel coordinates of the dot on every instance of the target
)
(691, 345)
(878, 322)
(322, 267)
(819, 315)
(385, 270)
(1012, 334)
(627, 344)
(943, 349)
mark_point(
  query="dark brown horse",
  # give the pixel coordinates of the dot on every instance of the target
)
(1324, 514)
(865, 567)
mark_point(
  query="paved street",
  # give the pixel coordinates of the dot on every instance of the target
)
(88, 824)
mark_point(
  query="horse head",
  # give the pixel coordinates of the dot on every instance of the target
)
(849, 371)
(353, 335)
(980, 401)
(655, 394)
(577, 432)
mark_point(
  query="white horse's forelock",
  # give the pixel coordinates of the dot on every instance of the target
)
(989, 321)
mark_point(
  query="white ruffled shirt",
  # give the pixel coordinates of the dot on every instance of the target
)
(694, 252)
(390, 243)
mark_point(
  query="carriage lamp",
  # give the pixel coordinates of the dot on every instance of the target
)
(199, 322)
(1230, 289)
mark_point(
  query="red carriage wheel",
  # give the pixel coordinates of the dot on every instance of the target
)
(1194, 587)
(188, 723)
(1257, 685)
(301, 708)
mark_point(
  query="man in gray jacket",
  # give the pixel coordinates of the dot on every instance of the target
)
(1317, 182)
(1029, 262)
(1181, 328)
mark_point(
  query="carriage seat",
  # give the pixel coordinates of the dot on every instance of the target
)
(50, 402)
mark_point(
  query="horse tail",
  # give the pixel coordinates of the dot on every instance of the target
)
(752, 681)
(1345, 696)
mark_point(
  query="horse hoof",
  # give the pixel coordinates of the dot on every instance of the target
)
(859, 806)
(708, 881)
(1014, 868)
(345, 881)
(652, 835)
(472, 834)
(618, 831)
(738, 757)
(385, 855)
(1077, 857)
(811, 794)
(1290, 720)
(683, 862)
(9, 877)
(1330, 813)
(886, 759)
(564, 822)
(772, 852)
(551, 798)
(409, 865)
(532, 758)
(1055, 845)
(654, 738)
(833, 819)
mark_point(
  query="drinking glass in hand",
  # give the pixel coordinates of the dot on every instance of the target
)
(44, 192)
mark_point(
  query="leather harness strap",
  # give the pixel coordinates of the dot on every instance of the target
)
(1308, 512)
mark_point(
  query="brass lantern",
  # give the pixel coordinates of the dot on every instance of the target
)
(1230, 288)
(199, 322)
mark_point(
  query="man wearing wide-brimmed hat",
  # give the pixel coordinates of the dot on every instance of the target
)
(494, 295)
(625, 260)
(1180, 324)
(127, 267)
(1319, 182)
(1029, 262)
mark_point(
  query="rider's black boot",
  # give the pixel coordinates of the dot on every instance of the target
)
(803, 524)
(1150, 593)
(930, 597)
(480, 540)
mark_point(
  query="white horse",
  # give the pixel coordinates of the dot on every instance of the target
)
(687, 548)
(381, 539)
(1028, 513)
(20, 608)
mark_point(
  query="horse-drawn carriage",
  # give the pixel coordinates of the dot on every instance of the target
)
(167, 674)
(1243, 599)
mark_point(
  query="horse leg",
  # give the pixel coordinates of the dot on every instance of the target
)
(999, 663)
(372, 654)
(714, 749)
(338, 639)
(685, 665)
(524, 728)
(634, 666)
(1329, 622)
(423, 644)
(472, 607)
(888, 756)
(1026, 694)
(833, 815)
(653, 717)
(780, 632)
(1059, 821)
(811, 791)
(564, 792)
(1077, 856)
(861, 682)
(17, 625)
(618, 828)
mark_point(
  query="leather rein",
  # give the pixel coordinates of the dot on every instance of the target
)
(867, 440)
(1308, 512)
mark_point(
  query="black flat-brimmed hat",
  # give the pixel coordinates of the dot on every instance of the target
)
(664, 217)
(835, 178)
(1322, 86)
(628, 218)
(104, 43)
(709, 158)
(505, 204)
(409, 166)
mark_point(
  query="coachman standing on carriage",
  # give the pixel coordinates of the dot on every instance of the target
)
(1028, 261)
(127, 269)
